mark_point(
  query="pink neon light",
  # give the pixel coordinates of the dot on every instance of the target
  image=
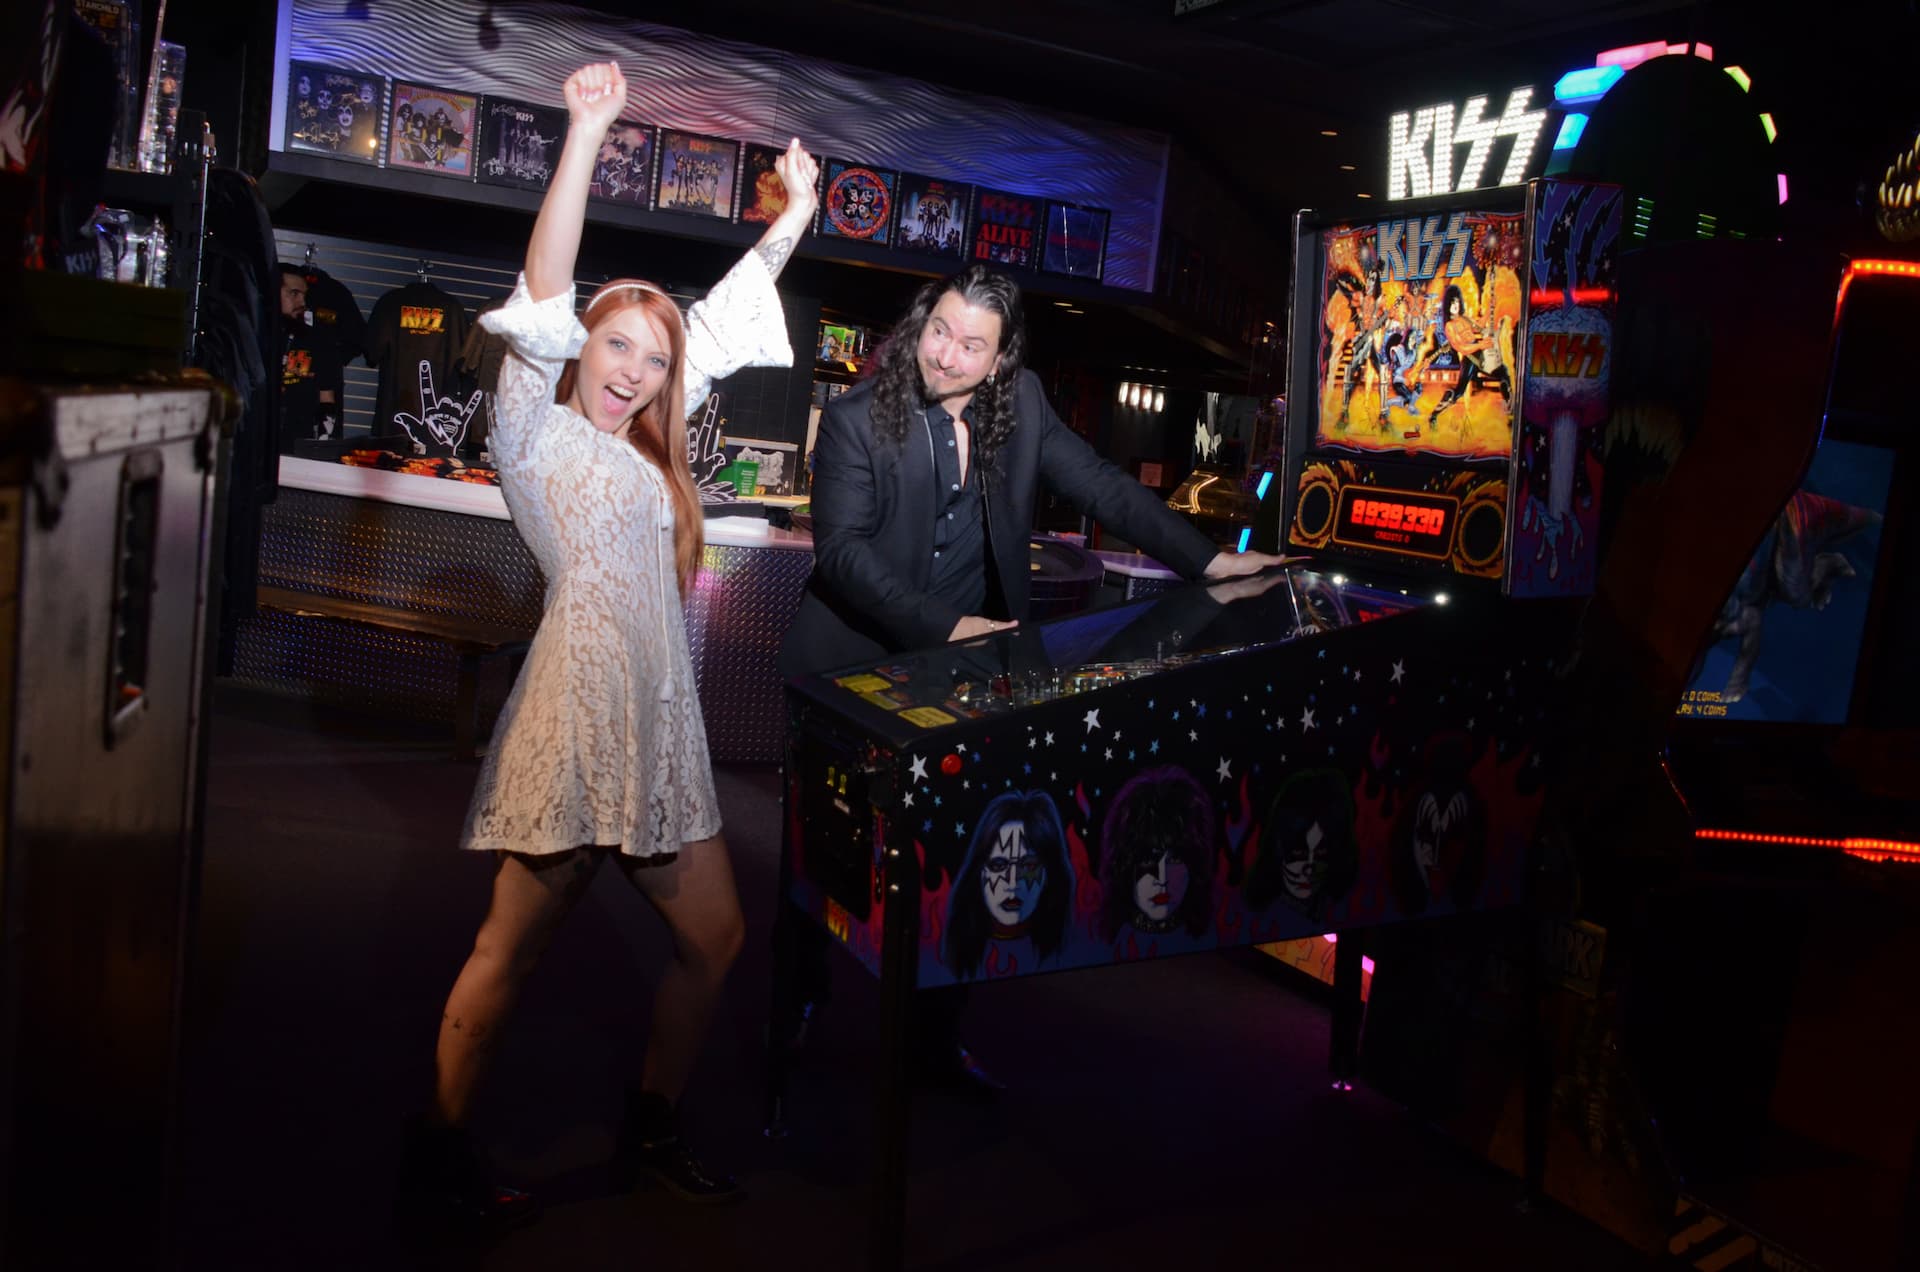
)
(1333, 938)
(1631, 55)
(1703, 50)
(1783, 187)
(1677, 50)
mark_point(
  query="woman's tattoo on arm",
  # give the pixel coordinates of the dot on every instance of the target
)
(775, 254)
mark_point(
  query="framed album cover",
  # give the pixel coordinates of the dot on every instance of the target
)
(623, 170)
(334, 112)
(763, 195)
(431, 130)
(519, 143)
(856, 201)
(1076, 240)
(697, 175)
(933, 215)
(1006, 229)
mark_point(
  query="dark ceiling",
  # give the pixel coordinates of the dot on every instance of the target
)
(1249, 86)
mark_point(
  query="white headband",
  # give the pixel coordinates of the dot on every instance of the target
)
(632, 285)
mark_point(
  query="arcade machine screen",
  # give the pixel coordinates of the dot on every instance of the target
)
(1787, 642)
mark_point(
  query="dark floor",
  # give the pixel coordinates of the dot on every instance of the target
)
(1169, 1114)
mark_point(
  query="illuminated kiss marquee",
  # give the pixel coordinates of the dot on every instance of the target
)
(1421, 143)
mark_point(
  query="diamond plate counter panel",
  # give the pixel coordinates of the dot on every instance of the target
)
(476, 567)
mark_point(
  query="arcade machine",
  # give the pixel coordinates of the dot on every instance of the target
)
(1304, 752)
(1794, 751)
(1455, 357)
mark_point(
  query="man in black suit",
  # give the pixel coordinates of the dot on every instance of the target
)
(925, 479)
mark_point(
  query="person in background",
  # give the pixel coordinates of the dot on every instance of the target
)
(601, 753)
(309, 368)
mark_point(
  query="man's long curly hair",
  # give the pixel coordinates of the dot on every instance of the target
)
(898, 393)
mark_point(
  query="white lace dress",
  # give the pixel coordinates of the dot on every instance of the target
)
(601, 741)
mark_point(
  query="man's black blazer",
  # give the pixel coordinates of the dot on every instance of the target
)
(873, 508)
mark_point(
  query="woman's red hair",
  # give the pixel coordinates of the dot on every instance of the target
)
(658, 431)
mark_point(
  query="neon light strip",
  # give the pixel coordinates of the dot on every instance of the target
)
(1905, 269)
(1766, 122)
(1588, 84)
(1741, 78)
(1246, 533)
(1632, 55)
(1571, 129)
(1783, 186)
(1868, 849)
(1266, 479)
(1581, 296)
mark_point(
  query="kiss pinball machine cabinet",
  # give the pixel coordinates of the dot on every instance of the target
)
(1215, 766)
(1448, 370)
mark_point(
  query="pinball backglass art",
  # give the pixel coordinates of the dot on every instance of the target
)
(1419, 333)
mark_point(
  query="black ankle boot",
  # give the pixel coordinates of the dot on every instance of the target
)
(650, 1146)
(443, 1182)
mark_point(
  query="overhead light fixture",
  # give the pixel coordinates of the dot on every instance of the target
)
(1133, 397)
(1123, 393)
(1329, 132)
(1363, 195)
(1076, 311)
(1064, 304)
(1346, 167)
(1159, 400)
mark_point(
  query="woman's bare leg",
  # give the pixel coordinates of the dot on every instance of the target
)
(531, 894)
(695, 894)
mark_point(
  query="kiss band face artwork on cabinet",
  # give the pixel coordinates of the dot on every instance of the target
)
(1158, 808)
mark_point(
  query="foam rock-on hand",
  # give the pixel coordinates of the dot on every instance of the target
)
(595, 95)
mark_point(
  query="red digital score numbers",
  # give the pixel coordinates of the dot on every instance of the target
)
(1396, 521)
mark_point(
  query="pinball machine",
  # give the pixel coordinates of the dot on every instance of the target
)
(1327, 747)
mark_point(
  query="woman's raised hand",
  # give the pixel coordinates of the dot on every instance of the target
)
(596, 94)
(800, 173)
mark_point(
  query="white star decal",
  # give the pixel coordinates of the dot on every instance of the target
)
(1049, 739)
(961, 748)
(1306, 719)
(906, 800)
(1192, 736)
(919, 770)
(1109, 752)
(1225, 769)
(1399, 670)
(1356, 675)
(1032, 743)
(1093, 720)
(1116, 735)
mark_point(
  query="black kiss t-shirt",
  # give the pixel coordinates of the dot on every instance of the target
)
(425, 405)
